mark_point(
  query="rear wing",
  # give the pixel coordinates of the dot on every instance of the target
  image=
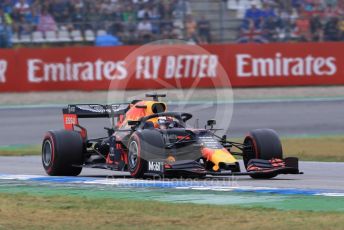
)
(72, 113)
(96, 110)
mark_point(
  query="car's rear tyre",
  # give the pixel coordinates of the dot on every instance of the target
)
(264, 144)
(61, 151)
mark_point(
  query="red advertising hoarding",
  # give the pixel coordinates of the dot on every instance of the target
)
(170, 66)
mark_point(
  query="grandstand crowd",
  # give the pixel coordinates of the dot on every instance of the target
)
(293, 20)
(133, 21)
(141, 21)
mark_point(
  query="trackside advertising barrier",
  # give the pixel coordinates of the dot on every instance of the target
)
(169, 66)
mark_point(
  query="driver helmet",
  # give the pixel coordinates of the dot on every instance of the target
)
(164, 122)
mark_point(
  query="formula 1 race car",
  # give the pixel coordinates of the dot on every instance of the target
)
(146, 139)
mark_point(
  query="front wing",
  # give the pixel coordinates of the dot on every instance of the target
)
(256, 167)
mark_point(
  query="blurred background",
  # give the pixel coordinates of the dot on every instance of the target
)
(42, 39)
(27, 23)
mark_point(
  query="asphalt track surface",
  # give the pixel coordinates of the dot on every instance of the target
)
(325, 175)
(20, 126)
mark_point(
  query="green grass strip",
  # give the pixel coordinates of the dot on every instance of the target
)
(80, 210)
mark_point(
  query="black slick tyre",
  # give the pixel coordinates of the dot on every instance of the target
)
(61, 151)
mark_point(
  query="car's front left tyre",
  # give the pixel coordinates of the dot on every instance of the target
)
(136, 164)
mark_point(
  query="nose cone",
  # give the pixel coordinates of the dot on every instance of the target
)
(218, 156)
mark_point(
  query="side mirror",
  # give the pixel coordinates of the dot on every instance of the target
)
(110, 131)
(211, 123)
(133, 123)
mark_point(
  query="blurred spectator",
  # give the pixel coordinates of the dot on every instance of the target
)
(302, 29)
(204, 30)
(297, 3)
(251, 34)
(46, 22)
(78, 4)
(253, 14)
(288, 31)
(6, 17)
(181, 8)
(293, 14)
(116, 28)
(316, 28)
(145, 30)
(267, 11)
(67, 21)
(270, 28)
(5, 30)
(160, 10)
(331, 2)
(22, 7)
(145, 26)
(78, 18)
(128, 13)
(144, 12)
(191, 26)
(332, 11)
(93, 19)
(168, 10)
(341, 29)
(23, 27)
(331, 32)
(60, 10)
(7, 6)
(32, 18)
(340, 4)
